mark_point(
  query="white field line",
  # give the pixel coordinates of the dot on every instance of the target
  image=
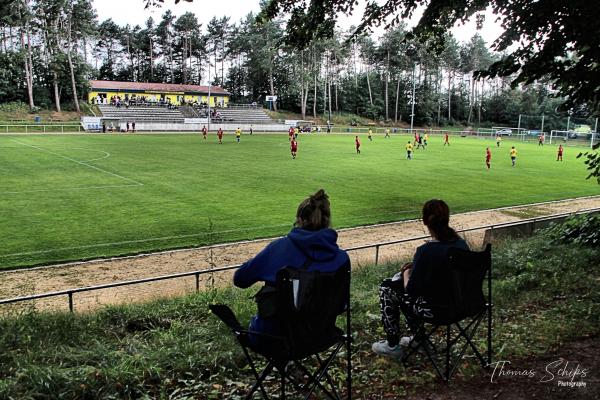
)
(78, 162)
(239, 242)
(106, 153)
(70, 189)
(141, 240)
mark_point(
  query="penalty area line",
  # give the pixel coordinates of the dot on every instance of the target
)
(78, 162)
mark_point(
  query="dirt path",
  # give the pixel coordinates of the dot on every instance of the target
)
(65, 276)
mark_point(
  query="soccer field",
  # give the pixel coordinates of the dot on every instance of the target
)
(84, 196)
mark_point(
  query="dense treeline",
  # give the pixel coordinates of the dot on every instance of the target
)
(50, 48)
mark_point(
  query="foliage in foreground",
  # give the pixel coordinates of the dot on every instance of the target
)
(176, 349)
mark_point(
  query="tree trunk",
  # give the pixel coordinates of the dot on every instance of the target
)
(387, 80)
(271, 85)
(369, 86)
(439, 86)
(151, 60)
(56, 92)
(315, 98)
(450, 76)
(471, 100)
(28, 76)
(72, 72)
(302, 84)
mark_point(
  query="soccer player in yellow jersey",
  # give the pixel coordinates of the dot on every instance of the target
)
(409, 149)
(498, 140)
(387, 133)
(425, 138)
(238, 133)
(513, 155)
(370, 135)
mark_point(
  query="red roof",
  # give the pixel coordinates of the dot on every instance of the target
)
(156, 87)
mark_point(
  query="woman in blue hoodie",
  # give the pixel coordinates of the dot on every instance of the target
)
(311, 242)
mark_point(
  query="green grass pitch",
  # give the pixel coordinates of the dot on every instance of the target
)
(78, 197)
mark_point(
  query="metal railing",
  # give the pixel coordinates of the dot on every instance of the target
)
(41, 128)
(531, 222)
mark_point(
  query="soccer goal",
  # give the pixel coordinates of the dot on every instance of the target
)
(573, 137)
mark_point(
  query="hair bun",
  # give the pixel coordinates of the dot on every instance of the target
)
(319, 195)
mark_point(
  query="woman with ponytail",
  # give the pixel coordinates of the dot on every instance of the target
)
(311, 244)
(416, 279)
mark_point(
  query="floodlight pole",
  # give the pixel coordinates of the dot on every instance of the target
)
(568, 123)
(543, 123)
(519, 126)
(209, 65)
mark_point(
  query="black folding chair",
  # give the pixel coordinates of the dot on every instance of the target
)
(462, 306)
(308, 304)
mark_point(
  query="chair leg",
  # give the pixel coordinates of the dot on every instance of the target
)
(259, 378)
(447, 375)
(282, 373)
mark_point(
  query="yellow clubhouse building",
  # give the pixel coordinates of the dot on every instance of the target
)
(102, 92)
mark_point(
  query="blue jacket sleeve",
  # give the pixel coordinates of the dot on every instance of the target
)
(252, 270)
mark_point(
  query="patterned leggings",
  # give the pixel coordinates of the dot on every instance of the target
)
(391, 302)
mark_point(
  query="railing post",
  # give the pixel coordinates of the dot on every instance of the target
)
(70, 301)
(377, 255)
(197, 282)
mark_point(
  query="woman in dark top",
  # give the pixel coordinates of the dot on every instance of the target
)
(311, 242)
(416, 278)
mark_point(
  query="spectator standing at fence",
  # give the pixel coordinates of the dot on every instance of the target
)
(311, 244)
(103, 127)
(416, 280)
(251, 129)
(133, 126)
(127, 127)
(559, 157)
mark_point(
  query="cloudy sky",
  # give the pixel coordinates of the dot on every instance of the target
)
(132, 12)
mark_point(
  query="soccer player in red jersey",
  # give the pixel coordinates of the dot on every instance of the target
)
(290, 133)
(220, 135)
(488, 157)
(204, 131)
(357, 140)
(446, 140)
(294, 148)
(560, 153)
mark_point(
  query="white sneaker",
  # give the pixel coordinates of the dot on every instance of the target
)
(406, 340)
(383, 348)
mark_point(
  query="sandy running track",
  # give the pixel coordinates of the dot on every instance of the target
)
(65, 276)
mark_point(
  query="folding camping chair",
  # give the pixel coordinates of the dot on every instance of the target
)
(462, 306)
(307, 306)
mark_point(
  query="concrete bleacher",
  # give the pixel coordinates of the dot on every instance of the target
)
(243, 115)
(142, 113)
